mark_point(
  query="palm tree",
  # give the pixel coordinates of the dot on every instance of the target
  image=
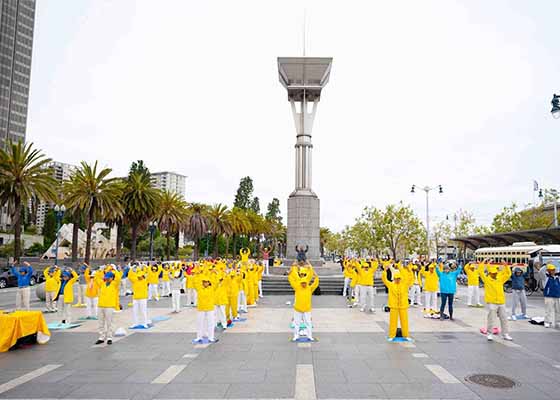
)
(23, 175)
(218, 222)
(141, 202)
(197, 225)
(90, 190)
(239, 225)
(171, 213)
(117, 219)
(324, 234)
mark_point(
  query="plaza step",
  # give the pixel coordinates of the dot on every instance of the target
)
(329, 285)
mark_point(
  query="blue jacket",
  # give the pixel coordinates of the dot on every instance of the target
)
(552, 288)
(448, 281)
(23, 280)
(518, 282)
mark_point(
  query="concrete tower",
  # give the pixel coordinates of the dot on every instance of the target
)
(304, 78)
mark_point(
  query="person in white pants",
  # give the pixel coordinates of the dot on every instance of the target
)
(206, 319)
(242, 297)
(139, 282)
(108, 302)
(431, 284)
(153, 293)
(206, 322)
(495, 298)
(415, 292)
(473, 281)
(191, 297)
(82, 286)
(176, 284)
(23, 275)
(551, 292)
(22, 298)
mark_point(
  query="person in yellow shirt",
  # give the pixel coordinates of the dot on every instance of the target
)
(251, 277)
(109, 287)
(234, 281)
(206, 314)
(66, 294)
(91, 294)
(431, 283)
(221, 300)
(166, 273)
(397, 302)
(495, 298)
(366, 273)
(138, 278)
(348, 273)
(52, 284)
(415, 291)
(192, 271)
(242, 297)
(473, 292)
(153, 282)
(303, 290)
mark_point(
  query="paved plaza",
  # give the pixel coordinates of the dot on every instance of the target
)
(256, 360)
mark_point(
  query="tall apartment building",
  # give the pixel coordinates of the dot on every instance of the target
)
(17, 19)
(61, 172)
(170, 181)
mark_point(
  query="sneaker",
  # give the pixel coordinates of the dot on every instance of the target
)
(407, 339)
(213, 340)
(99, 341)
(294, 339)
(109, 342)
(372, 310)
(514, 317)
(508, 337)
(490, 337)
(391, 339)
(197, 341)
(362, 309)
(547, 325)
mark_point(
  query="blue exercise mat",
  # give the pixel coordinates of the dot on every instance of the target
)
(203, 341)
(140, 327)
(400, 340)
(57, 326)
(303, 339)
(239, 319)
(160, 318)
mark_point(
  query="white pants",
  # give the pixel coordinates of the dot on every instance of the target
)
(22, 298)
(242, 301)
(124, 285)
(265, 264)
(153, 291)
(473, 295)
(81, 293)
(519, 296)
(552, 310)
(300, 318)
(499, 311)
(430, 300)
(346, 286)
(140, 311)
(365, 293)
(176, 299)
(206, 321)
(260, 288)
(49, 299)
(105, 325)
(166, 285)
(64, 309)
(191, 297)
(357, 293)
(91, 306)
(415, 294)
(221, 315)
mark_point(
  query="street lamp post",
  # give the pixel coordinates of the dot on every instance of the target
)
(554, 194)
(555, 106)
(59, 213)
(427, 189)
(152, 231)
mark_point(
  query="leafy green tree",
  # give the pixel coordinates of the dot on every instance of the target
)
(92, 191)
(197, 225)
(171, 214)
(138, 167)
(510, 219)
(218, 223)
(255, 205)
(244, 195)
(23, 175)
(49, 229)
(239, 224)
(401, 229)
(273, 210)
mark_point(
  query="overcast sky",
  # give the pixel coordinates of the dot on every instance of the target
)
(433, 92)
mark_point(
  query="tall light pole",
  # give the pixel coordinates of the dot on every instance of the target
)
(152, 231)
(58, 213)
(554, 194)
(428, 189)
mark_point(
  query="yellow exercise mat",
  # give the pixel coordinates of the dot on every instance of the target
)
(20, 324)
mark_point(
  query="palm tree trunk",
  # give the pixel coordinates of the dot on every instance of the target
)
(119, 241)
(234, 246)
(227, 246)
(168, 249)
(17, 229)
(88, 235)
(75, 230)
(196, 246)
(215, 245)
(133, 239)
(177, 237)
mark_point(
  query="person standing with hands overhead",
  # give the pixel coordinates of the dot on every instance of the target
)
(494, 296)
(300, 280)
(398, 302)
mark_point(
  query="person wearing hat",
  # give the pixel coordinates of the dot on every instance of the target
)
(153, 281)
(109, 287)
(66, 294)
(431, 283)
(166, 273)
(191, 273)
(397, 301)
(551, 291)
(91, 294)
(415, 291)
(52, 284)
(138, 279)
(80, 303)
(234, 281)
(23, 275)
(366, 273)
(175, 285)
(518, 293)
(473, 281)
(206, 314)
(447, 288)
(347, 272)
(221, 299)
(495, 298)
(300, 280)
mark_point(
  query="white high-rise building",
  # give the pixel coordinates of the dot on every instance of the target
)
(170, 181)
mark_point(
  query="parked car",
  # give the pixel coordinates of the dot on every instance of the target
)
(8, 279)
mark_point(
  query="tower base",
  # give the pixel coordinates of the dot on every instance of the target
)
(303, 227)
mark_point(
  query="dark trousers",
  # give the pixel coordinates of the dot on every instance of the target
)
(444, 298)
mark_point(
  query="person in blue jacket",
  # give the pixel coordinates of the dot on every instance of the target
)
(551, 292)
(447, 288)
(23, 293)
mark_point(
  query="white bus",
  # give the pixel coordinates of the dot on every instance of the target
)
(522, 254)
